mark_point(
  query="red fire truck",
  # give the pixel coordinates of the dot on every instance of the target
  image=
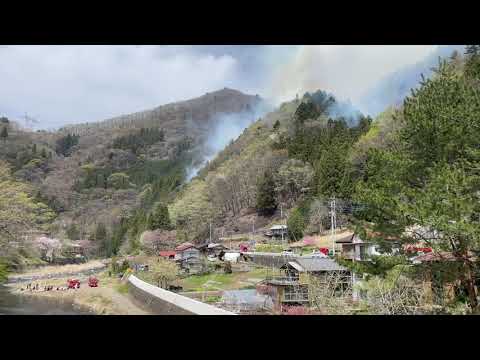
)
(92, 281)
(73, 283)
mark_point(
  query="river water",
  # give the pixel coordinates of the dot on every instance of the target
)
(11, 304)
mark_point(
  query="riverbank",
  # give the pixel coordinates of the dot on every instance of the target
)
(109, 298)
(56, 271)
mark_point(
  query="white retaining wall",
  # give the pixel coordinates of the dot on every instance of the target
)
(182, 302)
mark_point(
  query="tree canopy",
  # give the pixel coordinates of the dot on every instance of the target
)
(266, 198)
(159, 218)
(430, 178)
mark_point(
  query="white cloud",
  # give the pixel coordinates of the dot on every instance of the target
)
(65, 84)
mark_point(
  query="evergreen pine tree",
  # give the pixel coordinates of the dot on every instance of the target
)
(472, 65)
(266, 201)
(432, 183)
(296, 225)
(100, 232)
(472, 50)
(101, 237)
(159, 218)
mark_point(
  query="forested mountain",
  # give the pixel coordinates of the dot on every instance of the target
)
(414, 165)
(292, 156)
(96, 174)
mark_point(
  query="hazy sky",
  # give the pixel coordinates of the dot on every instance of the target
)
(66, 84)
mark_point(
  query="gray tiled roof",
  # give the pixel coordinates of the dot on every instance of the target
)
(318, 264)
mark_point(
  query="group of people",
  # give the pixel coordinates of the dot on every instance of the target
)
(36, 287)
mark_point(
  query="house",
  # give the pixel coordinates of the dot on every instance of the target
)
(167, 254)
(316, 266)
(188, 256)
(186, 250)
(277, 231)
(291, 287)
(343, 239)
(191, 265)
(284, 289)
(212, 249)
(355, 249)
(231, 257)
(439, 273)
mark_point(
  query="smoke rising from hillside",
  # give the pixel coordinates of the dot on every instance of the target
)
(364, 79)
(224, 129)
(370, 77)
(393, 88)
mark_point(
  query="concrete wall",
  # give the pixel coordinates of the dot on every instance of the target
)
(164, 302)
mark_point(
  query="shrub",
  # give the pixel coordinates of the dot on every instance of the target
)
(295, 310)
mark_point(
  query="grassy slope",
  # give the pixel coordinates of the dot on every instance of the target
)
(237, 280)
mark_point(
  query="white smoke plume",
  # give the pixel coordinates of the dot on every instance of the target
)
(224, 129)
(359, 74)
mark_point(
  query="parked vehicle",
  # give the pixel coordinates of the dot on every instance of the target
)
(73, 284)
(92, 281)
(243, 247)
(319, 254)
(287, 252)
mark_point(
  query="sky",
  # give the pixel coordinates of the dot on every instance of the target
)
(62, 84)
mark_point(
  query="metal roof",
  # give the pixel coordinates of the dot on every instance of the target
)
(314, 264)
(442, 256)
(184, 246)
(295, 266)
(215, 245)
(346, 239)
(167, 253)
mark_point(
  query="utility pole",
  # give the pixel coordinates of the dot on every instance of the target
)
(333, 225)
(210, 233)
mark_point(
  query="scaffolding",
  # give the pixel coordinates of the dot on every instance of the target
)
(291, 289)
